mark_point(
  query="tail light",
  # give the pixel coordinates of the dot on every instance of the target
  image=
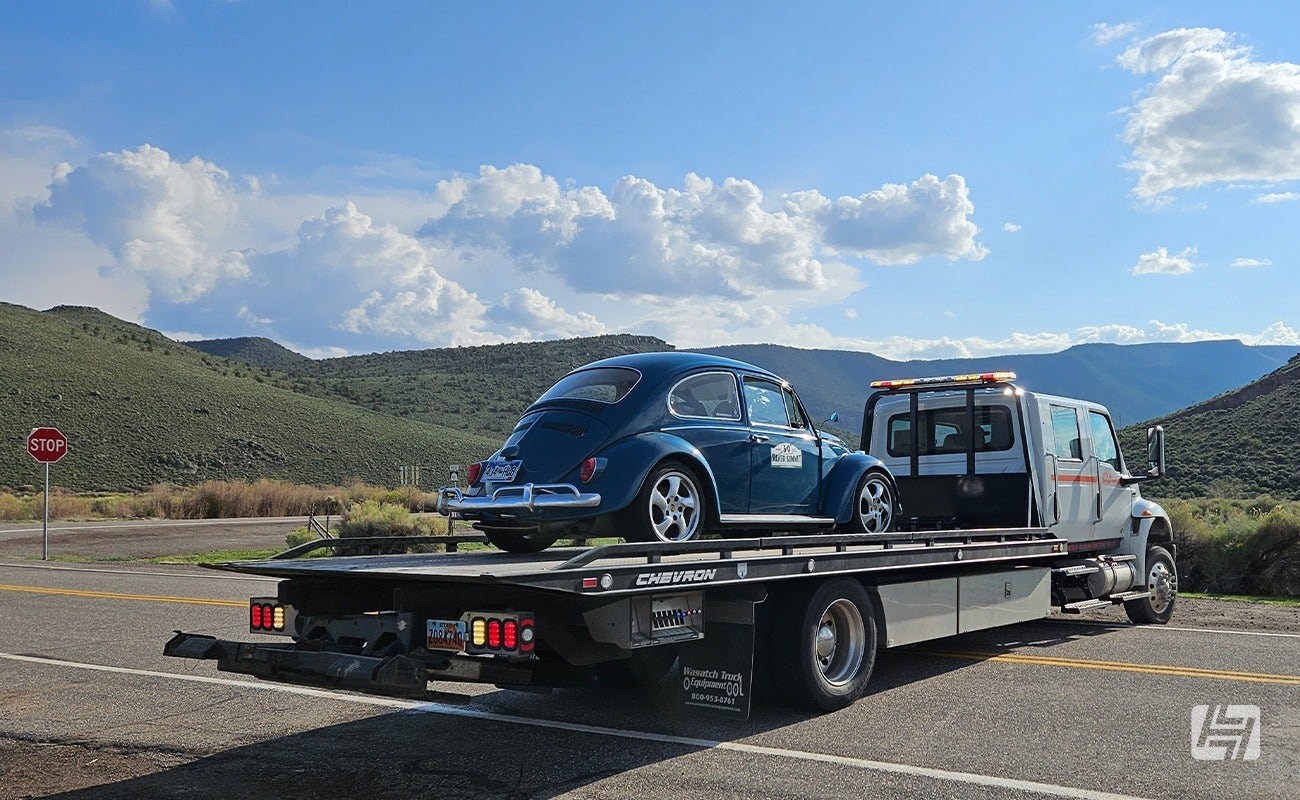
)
(587, 470)
(508, 633)
(473, 472)
(268, 615)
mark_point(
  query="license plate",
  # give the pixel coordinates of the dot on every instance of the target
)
(445, 634)
(501, 471)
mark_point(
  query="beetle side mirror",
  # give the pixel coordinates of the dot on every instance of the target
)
(835, 417)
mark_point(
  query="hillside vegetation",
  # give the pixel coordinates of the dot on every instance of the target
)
(1242, 443)
(140, 409)
(254, 350)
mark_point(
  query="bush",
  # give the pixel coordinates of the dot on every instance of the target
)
(1249, 547)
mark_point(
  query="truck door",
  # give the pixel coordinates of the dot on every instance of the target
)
(1114, 500)
(785, 456)
(1072, 487)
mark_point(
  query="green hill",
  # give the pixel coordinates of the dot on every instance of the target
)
(255, 350)
(139, 408)
(1242, 443)
(482, 389)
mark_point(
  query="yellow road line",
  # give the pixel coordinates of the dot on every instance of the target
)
(1122, 666)
(148, 598)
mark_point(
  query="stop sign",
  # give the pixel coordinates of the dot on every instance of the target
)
(47, 445)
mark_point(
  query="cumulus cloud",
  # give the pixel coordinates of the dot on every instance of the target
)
(1251, 262)
(1277, 197)
(529, 314)
(726, 240)
(1214, 115)
(1103, 33)
(166, 221)
(1161, 262)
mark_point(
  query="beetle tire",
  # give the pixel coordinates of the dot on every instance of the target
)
(824, 645)
(671, 499)
(875, 505)
(1162, 575)
(520, 541)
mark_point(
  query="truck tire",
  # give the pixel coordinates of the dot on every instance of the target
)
(874, 505)
(528, 541)
(824, 646)
(1162, 577)
(671, 506)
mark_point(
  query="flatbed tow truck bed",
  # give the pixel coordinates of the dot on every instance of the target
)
(729, 609)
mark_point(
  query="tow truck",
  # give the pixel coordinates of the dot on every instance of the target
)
(1013, 503)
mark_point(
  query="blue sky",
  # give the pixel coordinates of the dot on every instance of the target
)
(943, 179)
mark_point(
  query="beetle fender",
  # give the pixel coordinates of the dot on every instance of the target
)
(645, 450)
(842, 484)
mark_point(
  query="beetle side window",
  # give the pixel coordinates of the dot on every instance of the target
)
(1103, 440)
(792, 410)
(709, 396)
(765, 403)
(1065, 432)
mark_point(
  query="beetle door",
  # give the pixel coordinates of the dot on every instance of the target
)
(784, 454)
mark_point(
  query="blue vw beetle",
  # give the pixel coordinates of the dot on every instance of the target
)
(667, 447)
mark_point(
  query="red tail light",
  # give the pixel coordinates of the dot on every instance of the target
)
(587, 470)
(494, 634)
(510, 634)
(473, 472)
(255, 616)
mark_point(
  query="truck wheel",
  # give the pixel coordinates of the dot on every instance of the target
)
(520, 541)
(1162, 579)
(670, 507)
(873, 505)
(825, 647)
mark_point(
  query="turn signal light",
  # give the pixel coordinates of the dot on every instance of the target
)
(265, 615)
(500, 632)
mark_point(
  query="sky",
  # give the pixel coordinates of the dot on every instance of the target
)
(926, 180)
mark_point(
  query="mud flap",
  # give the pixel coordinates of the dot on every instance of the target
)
(717, 672)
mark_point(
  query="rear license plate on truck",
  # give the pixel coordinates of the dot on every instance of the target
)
(445, 634)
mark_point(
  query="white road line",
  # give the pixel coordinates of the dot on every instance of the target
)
(1231, 631)
(976, 779)
(205, 575)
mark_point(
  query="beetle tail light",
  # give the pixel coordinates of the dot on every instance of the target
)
(473, 472)
(587, 470)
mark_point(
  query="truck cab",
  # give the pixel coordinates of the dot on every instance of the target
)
(978, 451)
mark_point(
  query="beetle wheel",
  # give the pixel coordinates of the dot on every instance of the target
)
(670, 506)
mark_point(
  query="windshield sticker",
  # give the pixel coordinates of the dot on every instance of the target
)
(787, 456)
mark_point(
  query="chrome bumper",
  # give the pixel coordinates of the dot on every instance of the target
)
(528, 497)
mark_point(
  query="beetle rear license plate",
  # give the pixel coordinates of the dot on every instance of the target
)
(445, 634)
(501, 471)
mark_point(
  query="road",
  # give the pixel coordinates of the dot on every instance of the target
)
(112, 539)
(89, 708)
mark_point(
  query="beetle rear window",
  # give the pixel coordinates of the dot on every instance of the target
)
(603, 384)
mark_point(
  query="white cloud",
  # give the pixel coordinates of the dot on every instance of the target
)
(724, 240)
(1162, 263)
(529, 314)
(168, 222)
(1215, 115)
(1277, 197)
(1010, 227)
(1104, 33)
(1251, 262)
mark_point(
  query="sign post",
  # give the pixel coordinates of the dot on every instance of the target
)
(46, 445)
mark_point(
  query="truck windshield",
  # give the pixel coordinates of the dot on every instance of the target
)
(603, 384)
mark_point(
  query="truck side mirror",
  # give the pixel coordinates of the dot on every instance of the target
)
(1155, 452)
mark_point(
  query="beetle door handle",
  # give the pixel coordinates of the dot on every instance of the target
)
(757, 437)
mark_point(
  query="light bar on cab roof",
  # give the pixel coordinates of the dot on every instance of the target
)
(981, 377)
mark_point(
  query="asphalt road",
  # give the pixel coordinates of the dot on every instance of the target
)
(89, 708)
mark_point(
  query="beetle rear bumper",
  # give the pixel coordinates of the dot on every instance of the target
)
(528, 497)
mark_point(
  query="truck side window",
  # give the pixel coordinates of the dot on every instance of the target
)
(1065, 432)
(1103, 440)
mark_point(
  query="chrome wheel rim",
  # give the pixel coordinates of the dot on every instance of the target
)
(840, 643)
(1163, 583)
(674, 507)
(875, 505)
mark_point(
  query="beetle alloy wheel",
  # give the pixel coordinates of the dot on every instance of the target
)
(875, 504)
(675, 507)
